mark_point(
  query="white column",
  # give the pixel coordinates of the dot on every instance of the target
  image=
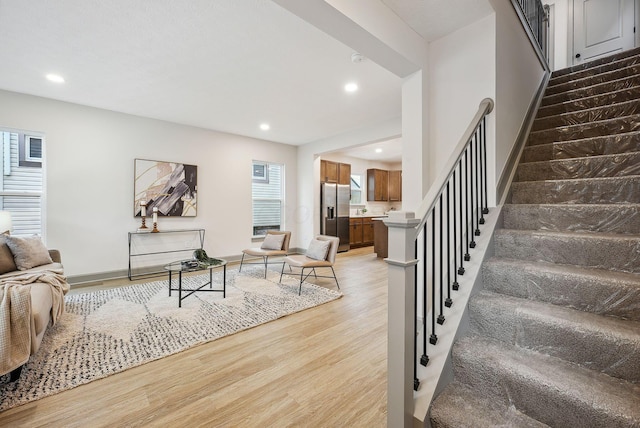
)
(401, 289)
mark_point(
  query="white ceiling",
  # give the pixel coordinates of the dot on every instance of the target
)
(226, 65)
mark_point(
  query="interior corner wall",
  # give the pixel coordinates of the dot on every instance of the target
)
(519, 74)
(461, 74)
(90, 166)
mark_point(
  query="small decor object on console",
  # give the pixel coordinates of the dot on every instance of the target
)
(155, 219)
(143, 214)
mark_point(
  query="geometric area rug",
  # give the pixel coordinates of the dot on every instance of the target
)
(108, 331)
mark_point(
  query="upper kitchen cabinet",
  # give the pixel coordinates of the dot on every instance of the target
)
(377, 185)
(395, 186)
(335, 172)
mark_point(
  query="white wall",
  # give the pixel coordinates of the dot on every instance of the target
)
(462, 73)
(90, 160)
(518, 77)
(560, 32)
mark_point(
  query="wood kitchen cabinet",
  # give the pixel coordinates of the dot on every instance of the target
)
(395, 186)
(377, 185)
(361, 231)
(335, 172)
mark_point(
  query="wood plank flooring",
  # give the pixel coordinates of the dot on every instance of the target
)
(323, 367)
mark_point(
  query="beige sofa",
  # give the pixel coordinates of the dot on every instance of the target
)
(46, 287)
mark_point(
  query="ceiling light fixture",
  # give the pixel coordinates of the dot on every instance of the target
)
(265, 126)
(55, 78)
(351, 87)
(378, 150)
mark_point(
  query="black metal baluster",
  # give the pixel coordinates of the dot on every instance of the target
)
(433, 339)
(455, 285)
(440, 270)
(416, 382)
(467, 257)
(483, 177)
(472, 243)
(461, 268)
(485, 209)
(448, 302)
(424, 359)
(476, 204)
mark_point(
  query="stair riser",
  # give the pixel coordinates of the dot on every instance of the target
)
(556, 407)
(603, 88)
(591, 167)
(613, 253)
(597, 79)
(613, 111)
(587, 130)
(596, 63)
(574, 218)
(599, 294)
(622, 63)
(614, 144)
(542, 329)
(616, 190)
(591, 102)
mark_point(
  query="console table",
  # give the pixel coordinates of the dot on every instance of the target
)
(153, 246)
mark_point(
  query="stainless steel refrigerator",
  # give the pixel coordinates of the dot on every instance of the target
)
(334, 214)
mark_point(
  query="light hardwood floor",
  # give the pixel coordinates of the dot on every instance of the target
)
(322, 367)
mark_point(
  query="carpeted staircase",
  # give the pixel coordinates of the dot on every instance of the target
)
(555, 334)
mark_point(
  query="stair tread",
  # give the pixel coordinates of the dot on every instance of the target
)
(460, 406)
(604, 94)
(600, 77)
(593, 123)
(557, 79)
(573, 318)
(540, 383)
(627, 107)
(578, 159)
(570, 234)
(595, 179)
(596, 62)
(588, 272)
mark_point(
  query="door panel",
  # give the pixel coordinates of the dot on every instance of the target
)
(601, 27)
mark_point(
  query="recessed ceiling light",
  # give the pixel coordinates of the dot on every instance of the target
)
(378, 150)
(351, 87)
(55, 78)
(265, 126)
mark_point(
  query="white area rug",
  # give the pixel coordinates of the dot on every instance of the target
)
(106, 332)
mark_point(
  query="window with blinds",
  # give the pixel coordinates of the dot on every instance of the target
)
(267, 195)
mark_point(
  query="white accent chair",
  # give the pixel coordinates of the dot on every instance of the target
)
(267, 250)
(305, 262)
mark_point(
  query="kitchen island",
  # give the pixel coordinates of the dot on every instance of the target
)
(380, 237)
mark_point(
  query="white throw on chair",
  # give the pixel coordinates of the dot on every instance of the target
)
(276, 243)
(320, 254)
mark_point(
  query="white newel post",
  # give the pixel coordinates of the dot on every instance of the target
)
(401, 287)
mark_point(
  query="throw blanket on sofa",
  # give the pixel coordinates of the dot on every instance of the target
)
(17, 325)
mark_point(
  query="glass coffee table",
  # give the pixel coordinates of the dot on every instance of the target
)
(185, 266)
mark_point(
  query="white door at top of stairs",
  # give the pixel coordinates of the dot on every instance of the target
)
(601, 28)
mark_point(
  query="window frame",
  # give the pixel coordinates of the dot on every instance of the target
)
(266, 180)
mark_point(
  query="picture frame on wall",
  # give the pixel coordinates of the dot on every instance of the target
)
(170, 186)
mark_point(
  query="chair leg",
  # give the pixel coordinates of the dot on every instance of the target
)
(300, 289)
(282, 272)
(241, 261)
(335, 277)
(265, 258)
(15, 374)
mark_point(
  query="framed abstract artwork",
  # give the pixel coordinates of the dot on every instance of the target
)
(170, 186)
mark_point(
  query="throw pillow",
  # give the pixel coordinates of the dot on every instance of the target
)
(28, 251)
(6, 257)
(272, 242)
(318, 249)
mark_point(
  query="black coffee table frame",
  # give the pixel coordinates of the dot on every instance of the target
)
(181, 267)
